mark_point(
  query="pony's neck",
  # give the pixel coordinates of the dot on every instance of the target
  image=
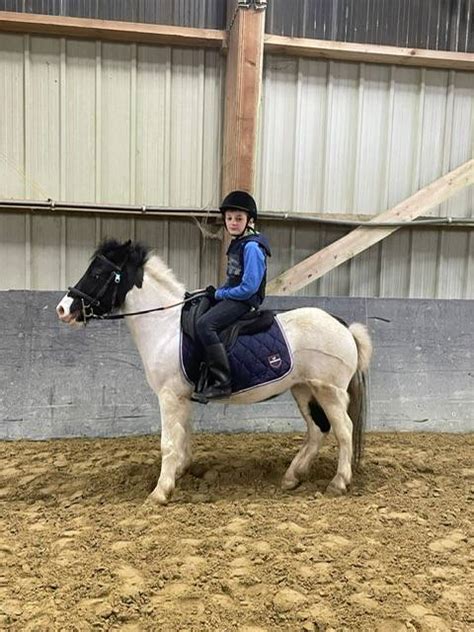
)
(156, 334)
(160, 287)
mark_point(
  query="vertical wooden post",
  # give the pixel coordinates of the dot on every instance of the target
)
(246, 26)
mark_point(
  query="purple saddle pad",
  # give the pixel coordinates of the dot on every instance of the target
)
(254, 360)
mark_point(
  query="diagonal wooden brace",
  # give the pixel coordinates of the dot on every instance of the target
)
(362, 238)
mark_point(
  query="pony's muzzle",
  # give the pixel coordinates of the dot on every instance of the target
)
(63, 310)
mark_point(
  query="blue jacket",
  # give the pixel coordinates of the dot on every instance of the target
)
(246, 270)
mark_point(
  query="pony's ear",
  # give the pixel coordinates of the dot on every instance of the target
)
(139, 277)
(127, 243)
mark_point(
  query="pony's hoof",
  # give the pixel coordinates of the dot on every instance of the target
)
(158, 497)
(334, 490)
(287, 484)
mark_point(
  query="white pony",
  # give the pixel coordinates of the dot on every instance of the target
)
(327, 380)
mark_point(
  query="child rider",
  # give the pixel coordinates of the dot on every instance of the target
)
(243, 290)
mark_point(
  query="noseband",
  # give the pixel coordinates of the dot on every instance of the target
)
(88, 302)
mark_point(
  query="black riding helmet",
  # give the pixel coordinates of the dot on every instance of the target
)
(240, 201)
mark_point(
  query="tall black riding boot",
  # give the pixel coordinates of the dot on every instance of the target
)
(219, 384)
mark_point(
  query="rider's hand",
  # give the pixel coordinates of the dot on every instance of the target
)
(211, 292)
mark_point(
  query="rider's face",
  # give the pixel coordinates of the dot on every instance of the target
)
(235, 222)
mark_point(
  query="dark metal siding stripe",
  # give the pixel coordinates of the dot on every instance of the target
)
(435, 24)
(199, 14)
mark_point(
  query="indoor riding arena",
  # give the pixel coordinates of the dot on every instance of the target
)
(329, 486)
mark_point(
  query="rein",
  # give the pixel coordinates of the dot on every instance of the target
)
(147, 311)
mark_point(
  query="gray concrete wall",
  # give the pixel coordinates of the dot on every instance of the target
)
(60, 382)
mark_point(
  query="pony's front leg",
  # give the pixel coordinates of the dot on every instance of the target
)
(175, 443)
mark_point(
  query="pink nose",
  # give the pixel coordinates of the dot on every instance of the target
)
(63, 314)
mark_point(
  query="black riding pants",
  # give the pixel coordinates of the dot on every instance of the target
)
(223, 314)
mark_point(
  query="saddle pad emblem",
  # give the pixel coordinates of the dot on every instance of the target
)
(275, 361)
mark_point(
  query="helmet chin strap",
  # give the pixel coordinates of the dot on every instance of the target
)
(249, 219)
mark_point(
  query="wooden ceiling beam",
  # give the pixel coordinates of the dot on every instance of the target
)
(368, 53)
(112, 30)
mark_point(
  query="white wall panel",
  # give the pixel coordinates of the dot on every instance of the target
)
(127, 123)
(213, 99)
(81, 240)
(187, 109)
(424, 263)
(435, 107)
(13, 261)
(153, 123)
(341, 137)
(81, 121)
(364, 137)
(373, 125)
(42, 117)
(45, 266)
(104, 122)
(462, 140)
(109, 122)
(116, 123)
(310, 135)
(277, 155)
(12, 154)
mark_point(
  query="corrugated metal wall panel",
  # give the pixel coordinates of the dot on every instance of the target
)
(12, 147)
(436, 24)
(341, 137)
(153, 123)
(277, 154)
(82, 120)
(187, 106)
(312, 108)
(43, 252)
(201, 14)
(347, 138)
(105, 122)
(374, 105)
(116, 123)
(42, 120)
(143, 124)
(13, 251)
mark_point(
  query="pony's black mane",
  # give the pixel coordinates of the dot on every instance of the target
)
(137, 252)
(128, 257)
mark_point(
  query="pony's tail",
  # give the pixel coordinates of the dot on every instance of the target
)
(364, 345)
(357, 390)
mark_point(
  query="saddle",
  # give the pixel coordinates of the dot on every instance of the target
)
(253, 322)
(256, 345)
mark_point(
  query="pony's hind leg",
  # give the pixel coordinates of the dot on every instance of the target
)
(318, 427)
(334, 401)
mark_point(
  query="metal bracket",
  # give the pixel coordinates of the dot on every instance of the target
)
(252, 4)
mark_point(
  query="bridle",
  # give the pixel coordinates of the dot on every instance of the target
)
(88, 302)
